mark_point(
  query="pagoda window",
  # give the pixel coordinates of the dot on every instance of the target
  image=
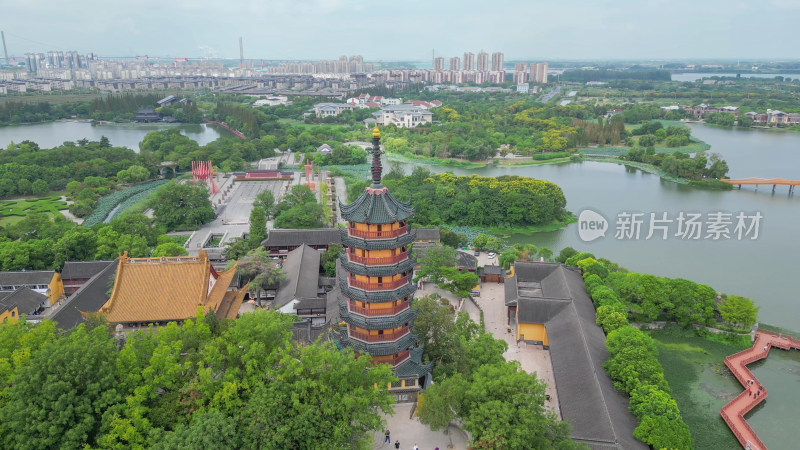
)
(379, 227)
(380, 332)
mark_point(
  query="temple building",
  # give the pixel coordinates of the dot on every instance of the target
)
(170, 289)
(375, 281)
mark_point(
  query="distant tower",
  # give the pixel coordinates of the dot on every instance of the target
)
(241, 52)
(5, 50)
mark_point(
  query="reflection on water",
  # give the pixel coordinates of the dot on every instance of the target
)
(53, 134)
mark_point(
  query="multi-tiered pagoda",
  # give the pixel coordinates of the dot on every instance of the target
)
(375, 280)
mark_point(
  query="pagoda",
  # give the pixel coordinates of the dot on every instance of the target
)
(375, 281)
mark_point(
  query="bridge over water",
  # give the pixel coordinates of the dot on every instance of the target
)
(754, 393)
(764, 181)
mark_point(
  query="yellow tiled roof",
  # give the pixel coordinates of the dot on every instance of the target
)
(160, 289)
(221, 287)
(229, 307)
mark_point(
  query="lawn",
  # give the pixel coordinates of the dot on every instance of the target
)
(23, 207)
(701, 384)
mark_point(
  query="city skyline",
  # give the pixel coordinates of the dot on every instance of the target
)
(324, 29)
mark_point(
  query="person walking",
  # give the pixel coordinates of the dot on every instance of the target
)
(397, 444)
(416, 447)
(387, 438)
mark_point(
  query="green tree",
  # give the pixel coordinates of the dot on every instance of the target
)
(738, 310)
(77, 244)
(329, 257)
(457, 282)
(265, 200)
(507, 258)
(258, 226)
(40, 187)
(70, 381)
(451, 238)
(209, 429)
(169, 249)
(182, 206)
(433, 263)
(260, 272)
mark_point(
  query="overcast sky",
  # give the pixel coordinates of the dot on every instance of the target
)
(407, 29)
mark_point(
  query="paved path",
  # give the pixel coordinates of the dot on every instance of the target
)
(409, 431)
(733, 413)
(233, 214)
(532, 358)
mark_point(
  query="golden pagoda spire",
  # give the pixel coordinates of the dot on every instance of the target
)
(376, 133)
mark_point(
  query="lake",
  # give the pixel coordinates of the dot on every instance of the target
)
(694, 76)
(53, 134)
(763, 269)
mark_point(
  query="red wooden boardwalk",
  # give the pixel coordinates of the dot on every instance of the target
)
(761, 181)
(733, 413)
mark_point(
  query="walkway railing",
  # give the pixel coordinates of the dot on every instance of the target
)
(733, 413)
(383, 234)
(384, 286)
(386, 260)
(375, 312)
(366, 337)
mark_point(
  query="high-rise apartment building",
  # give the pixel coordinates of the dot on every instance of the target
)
(538, 73)
(483, 62)
(520, 77)
(455, 63)
(497, 61)
(520, 67)
(438, 63)
(469, 61)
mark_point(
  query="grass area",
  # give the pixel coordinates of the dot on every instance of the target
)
(301, 123)
(10, 220)
(701, 384)
(23, 207)
(435, 161)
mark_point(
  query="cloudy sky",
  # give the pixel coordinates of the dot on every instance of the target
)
(407, 29)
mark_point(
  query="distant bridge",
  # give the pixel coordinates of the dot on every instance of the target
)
(759, 181)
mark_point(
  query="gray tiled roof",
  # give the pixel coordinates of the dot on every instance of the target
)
(291, 238)
(24, 278)
(427, 234)
(376, 244)
(88, 298)
(26, 300)
(302, 276)
(82, 269)
(376, 323)
(597, 412)
(409, 368)
(376, 207)
(374, 296)
(378, 348)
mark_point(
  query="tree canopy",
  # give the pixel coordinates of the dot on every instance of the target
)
(206, 383)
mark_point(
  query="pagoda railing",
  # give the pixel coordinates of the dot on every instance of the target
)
(366, 337)
(395, 359)
(383, 234)
(374, 312)
(384, 286)
(386, 260)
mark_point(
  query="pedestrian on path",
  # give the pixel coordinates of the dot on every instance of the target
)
(416, 447)
(387, 438)
(397, 444)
